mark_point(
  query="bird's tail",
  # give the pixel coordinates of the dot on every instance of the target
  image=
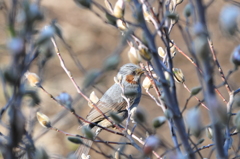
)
(85, 147)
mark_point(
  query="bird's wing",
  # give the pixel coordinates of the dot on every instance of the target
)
(95, 116)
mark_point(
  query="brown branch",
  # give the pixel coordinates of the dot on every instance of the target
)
(75, 84)
(219, 67)
(99, 141)
(185, 86)
(192, 61)
(77, 116)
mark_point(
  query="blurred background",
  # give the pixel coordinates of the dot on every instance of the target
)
(92, 42)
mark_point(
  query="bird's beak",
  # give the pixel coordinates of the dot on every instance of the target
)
(140, 71)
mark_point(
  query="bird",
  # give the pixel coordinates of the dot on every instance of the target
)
(112, 101)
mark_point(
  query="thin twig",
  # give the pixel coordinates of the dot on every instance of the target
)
(185, 86)
(210, 145)
(141, 142)
(208, 83)
(99, 141)
(160, 105)
(96, 141)
(185, 106)
(77, 116)
(195, 145)
(151, 78)
(219, 67)
(75, 84)
(192, 61)
(73, 135)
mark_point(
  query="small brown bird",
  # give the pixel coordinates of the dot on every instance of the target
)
(112, 101)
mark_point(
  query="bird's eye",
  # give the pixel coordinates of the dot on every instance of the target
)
(134, 73)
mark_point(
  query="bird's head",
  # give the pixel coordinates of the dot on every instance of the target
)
(130, 73)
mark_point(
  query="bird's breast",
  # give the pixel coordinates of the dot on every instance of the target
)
(131, 79)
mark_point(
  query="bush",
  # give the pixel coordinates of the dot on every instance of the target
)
(188, 88)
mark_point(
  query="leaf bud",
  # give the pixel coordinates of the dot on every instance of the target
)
(116, 118)
(88, 132)
(84, 156)
(146, 13)
(178, 2)
(112, 62)
(108, 5)
(75, 140)
(188, 10)
(178, 75)
(201, 47)
(167, 76)
(194, 122)
(139, 115)
(147, 84)
(151, 143)
(32, 78)
(199, 29)
(145, 53)
(200, 141)
(209, 132)
(173, 51)
(121, 24)
(195, 90)
(172, 15)
(34, 12)
(16, 45)
(65, 99)
(90, 77)
(119, 9)
(161, 52)
(229, 18)
(235, 58)
(43, 120)
(159, 121)
(45, 34)
(134, 55)
(168, 114)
